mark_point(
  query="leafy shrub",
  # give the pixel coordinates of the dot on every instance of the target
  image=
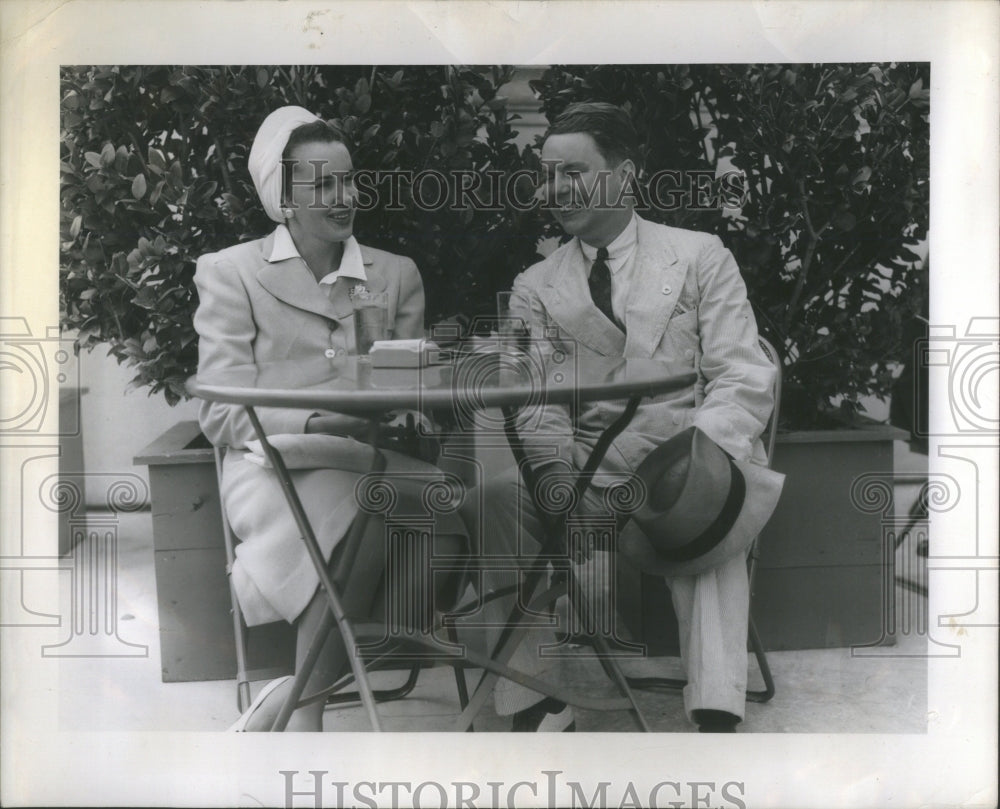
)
(835, 159)
(153, 163)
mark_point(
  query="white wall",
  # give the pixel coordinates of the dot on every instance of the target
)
(522, 101)
(115, 424)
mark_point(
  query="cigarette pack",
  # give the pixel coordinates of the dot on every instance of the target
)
(406, 354)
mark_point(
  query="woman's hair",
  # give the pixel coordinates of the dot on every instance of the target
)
(609, 126)
(316, 132)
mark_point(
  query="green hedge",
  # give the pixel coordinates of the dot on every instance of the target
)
(834, 161)
(154, 175)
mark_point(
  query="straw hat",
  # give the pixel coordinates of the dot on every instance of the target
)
(701, 506)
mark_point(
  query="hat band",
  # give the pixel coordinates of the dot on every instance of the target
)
(720, 526)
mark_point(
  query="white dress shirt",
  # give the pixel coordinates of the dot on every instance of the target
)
(621, 259)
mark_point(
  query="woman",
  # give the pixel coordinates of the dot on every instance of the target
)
(288, 296)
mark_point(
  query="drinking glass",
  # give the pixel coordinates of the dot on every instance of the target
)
(371, 320)
(511, 329)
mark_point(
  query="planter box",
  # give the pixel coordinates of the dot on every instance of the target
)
(192, 590)
(820, 578)
(70, 459)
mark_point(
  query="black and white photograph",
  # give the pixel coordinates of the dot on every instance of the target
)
(394, 371)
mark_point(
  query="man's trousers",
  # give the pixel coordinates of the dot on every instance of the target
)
(712, 608)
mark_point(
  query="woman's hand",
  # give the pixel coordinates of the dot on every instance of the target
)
(396, 430)
(339, 424)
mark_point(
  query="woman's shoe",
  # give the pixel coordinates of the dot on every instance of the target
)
(713, 721)
(548, 716)
(240, 726)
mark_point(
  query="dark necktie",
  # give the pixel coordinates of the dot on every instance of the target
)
(600, 285)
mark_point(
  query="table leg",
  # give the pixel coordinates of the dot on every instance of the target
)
(336, 612)
(495, 666)
(553, 542)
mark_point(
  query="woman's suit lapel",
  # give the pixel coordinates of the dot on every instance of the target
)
(340, 297)
(291, 282)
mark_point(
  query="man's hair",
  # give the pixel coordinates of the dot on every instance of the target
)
(609, 126)
(316, 132)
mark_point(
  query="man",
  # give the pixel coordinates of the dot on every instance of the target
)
(626, 287)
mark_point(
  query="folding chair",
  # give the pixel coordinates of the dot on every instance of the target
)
(344, 556)
(244, 675)
(765, 694)
(908, 410)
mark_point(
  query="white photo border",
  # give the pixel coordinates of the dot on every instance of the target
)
(954, 763)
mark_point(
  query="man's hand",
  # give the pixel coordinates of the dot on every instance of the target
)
(554, 485)
(582, 551)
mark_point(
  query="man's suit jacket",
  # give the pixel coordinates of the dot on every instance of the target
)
(252, 310)
(687, 304)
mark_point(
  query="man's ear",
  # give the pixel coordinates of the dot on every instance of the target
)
(627, 170)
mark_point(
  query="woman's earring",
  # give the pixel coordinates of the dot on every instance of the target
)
(286, 212)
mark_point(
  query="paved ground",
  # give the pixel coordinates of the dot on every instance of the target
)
(820, 690)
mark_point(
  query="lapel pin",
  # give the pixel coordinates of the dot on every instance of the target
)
(667, 290)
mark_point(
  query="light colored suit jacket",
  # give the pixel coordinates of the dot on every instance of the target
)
(687, 304)
(252, 310)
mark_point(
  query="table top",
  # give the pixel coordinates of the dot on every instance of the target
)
(475, 381)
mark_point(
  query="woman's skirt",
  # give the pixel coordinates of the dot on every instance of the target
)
(273, 575)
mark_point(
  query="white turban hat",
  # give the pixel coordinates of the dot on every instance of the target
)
(265, 155)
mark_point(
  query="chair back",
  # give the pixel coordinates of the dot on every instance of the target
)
(769, 437)
(770, 434)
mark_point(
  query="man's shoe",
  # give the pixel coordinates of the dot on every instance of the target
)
(710, 720)
(548, 716)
